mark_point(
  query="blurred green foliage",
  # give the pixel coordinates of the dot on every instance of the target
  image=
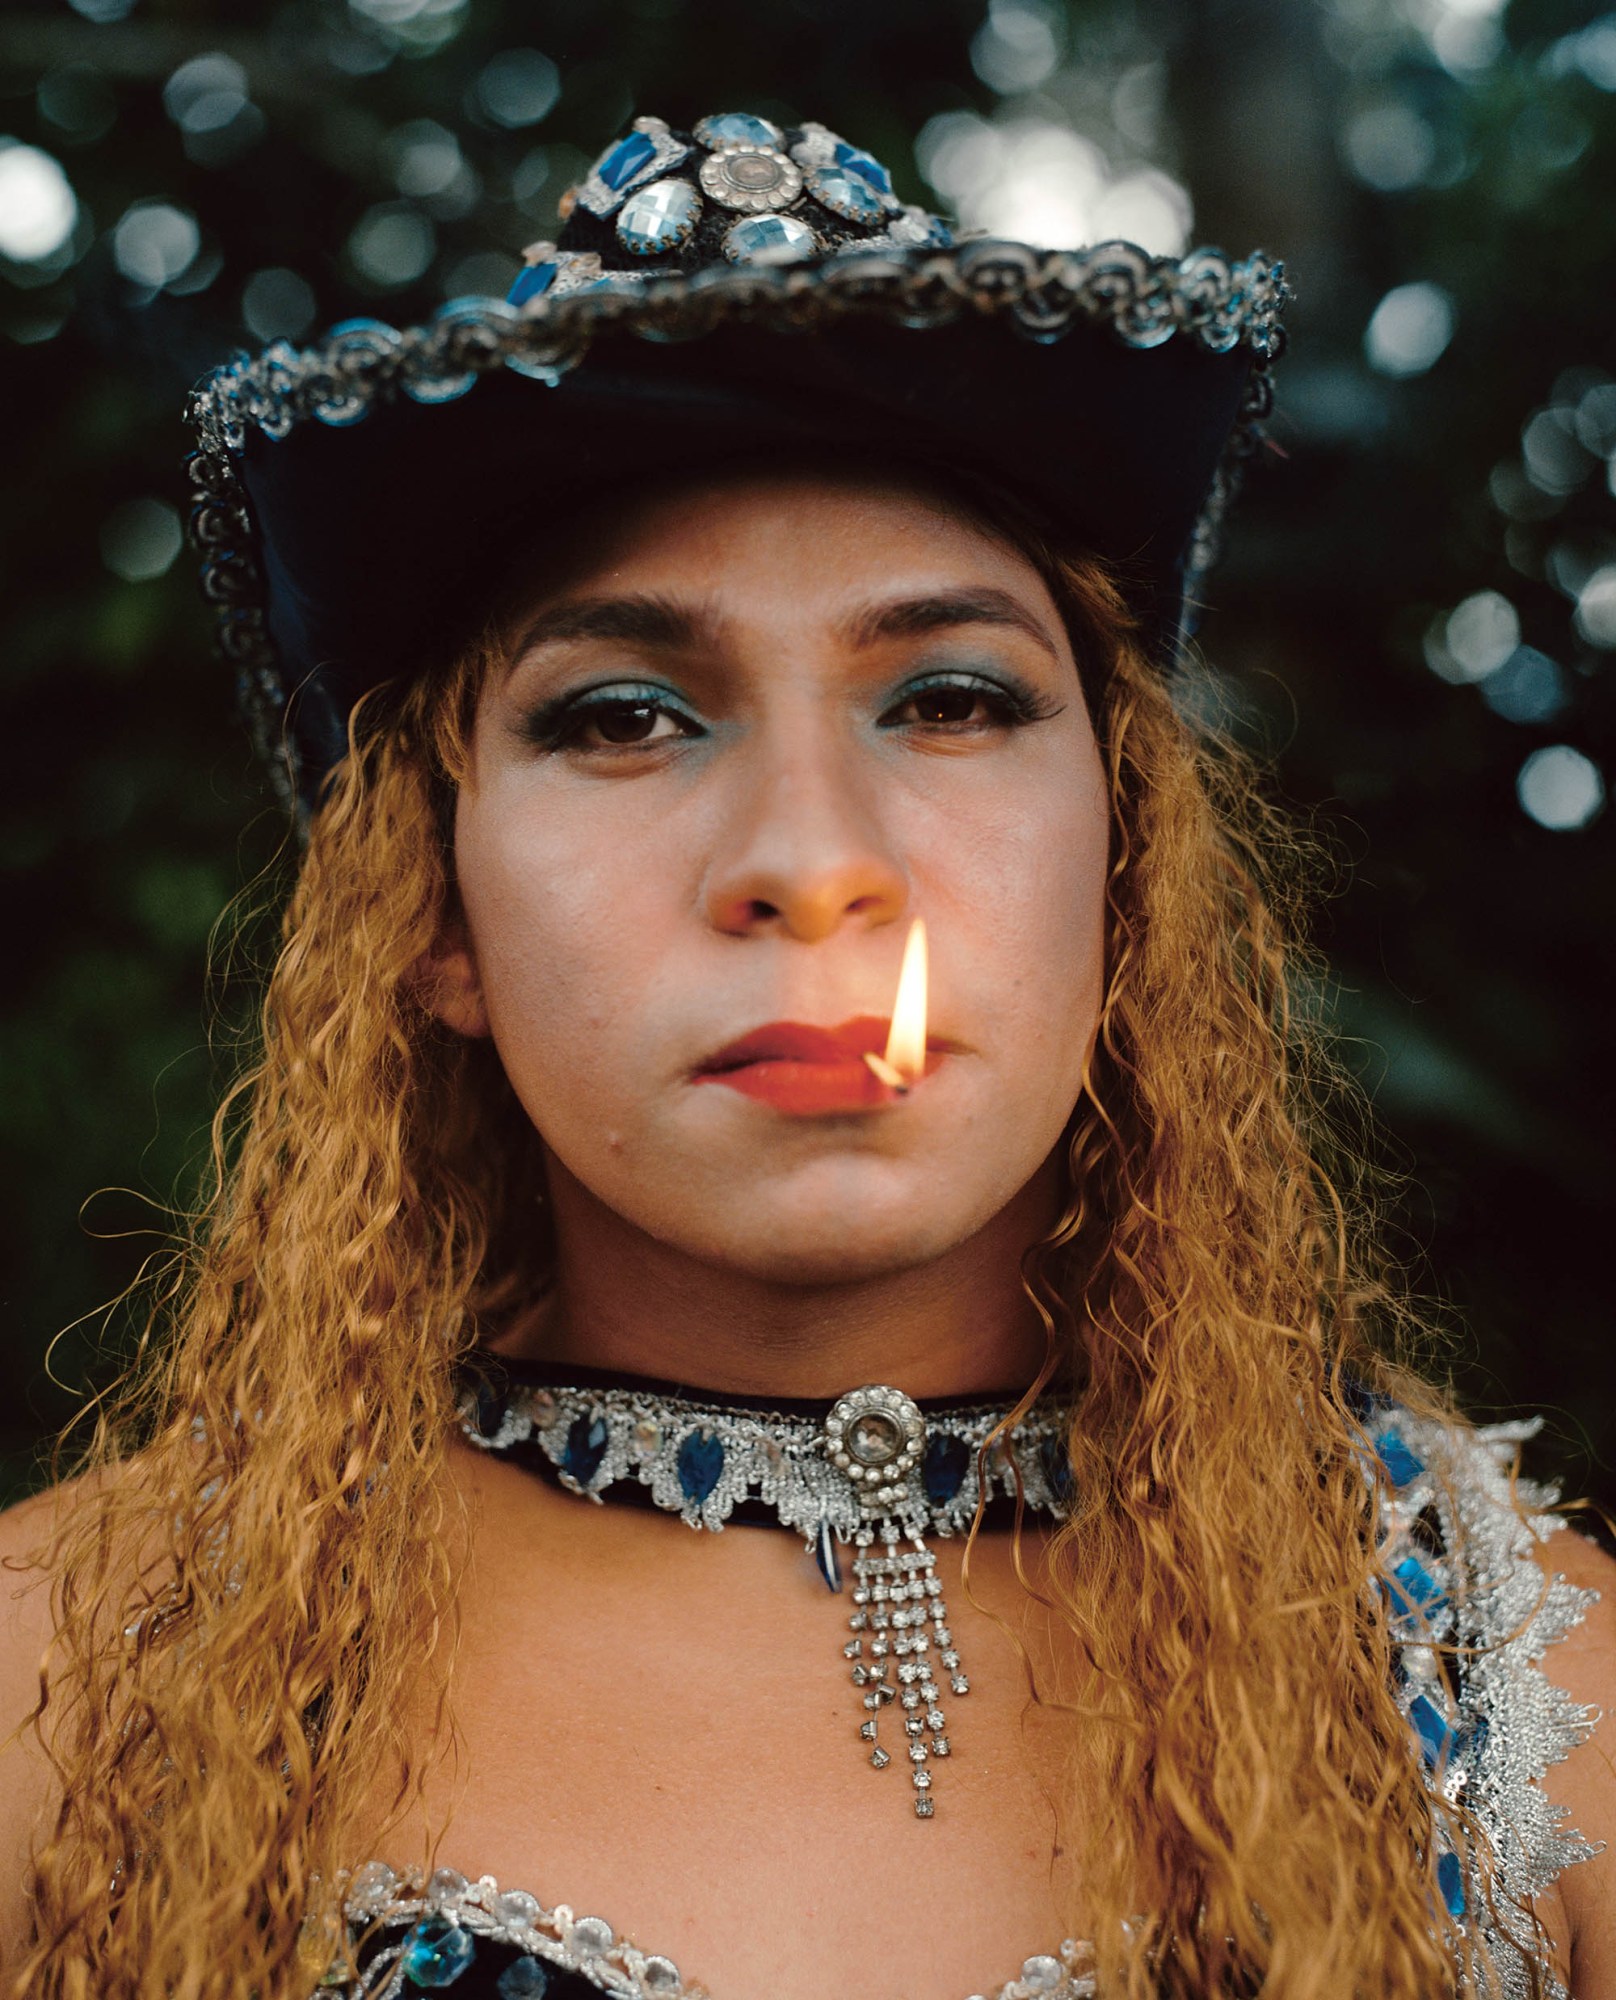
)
(1417, 613)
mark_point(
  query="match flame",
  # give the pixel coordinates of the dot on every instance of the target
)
(906, 1043)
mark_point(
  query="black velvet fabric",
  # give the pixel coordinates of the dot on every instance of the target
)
(381, 542)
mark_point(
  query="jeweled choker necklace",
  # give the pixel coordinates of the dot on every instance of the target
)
(874, 1469)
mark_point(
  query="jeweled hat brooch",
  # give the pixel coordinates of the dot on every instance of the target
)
(743, 290)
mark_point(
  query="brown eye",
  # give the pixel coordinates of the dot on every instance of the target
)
(945, 704)
(964, 705)
(628, 722)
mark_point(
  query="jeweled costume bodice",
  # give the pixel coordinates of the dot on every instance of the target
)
(1460, 1565)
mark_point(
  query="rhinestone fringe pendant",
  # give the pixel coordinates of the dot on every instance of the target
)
(876, 1437)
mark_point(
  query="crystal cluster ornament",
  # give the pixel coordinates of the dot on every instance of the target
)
(877, 1437)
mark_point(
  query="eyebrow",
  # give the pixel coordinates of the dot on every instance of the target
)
(640, 621)
(941, 611)
(666, 624)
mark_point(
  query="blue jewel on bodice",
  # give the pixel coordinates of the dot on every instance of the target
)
(1433, 1730)
(1414, 1590)
(1402, 1467)
(436, 1952)
(524, 1979)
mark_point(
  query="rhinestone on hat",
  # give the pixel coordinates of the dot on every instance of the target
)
(847, 193)
(646, 150)
(737, 128)
(769, 239)
(753, 179)
(658, 218)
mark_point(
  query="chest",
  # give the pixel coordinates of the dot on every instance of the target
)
(660, 1728)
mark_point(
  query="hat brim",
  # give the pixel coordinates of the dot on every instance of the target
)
(356, 495)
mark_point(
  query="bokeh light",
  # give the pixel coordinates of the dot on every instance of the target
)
(140, 539)
(1036, 181)
(206, 93)
(518, 88)
(1596, 608)
(38, 207)
(78, 101)
(1560, 788)
(1474, 639)
(277, 304)
(1018, 45)
(154, 243)
(1528, 688)
(1410, 329)
(1389, 147)
(392, 244)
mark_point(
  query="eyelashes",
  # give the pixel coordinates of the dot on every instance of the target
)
(625, 717)
(628, 717)
(945, 700)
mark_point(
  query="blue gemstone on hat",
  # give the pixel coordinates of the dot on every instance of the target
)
(532, 281)
(586, 1447)
(943, 1469)
(523, 1979)
(1450, 1880)
(630, 156)
(657, 218)
(700, 1461)
(769, 239)
(436, 1952)
(847, 194)
(737, 128)
(865, 165)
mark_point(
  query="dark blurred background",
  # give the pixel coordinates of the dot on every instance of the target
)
(1417, 612)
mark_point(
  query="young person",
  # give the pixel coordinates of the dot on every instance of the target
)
(643, 660)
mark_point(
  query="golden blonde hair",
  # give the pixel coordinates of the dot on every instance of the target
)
(262, 1554)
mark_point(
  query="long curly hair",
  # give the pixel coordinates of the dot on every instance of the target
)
(261, 1553)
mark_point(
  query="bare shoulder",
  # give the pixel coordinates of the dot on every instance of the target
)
(27, 1625)
(1583, 1663)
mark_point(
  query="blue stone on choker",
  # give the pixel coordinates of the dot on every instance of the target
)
(874, 1469)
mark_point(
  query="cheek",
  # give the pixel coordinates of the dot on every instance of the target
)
(567, 933)
(1025, 888)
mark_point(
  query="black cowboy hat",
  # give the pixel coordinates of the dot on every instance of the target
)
(739, 290)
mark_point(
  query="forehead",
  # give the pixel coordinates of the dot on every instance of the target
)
(790, 538)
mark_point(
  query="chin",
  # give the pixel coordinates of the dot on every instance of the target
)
(831, 1244)
(814, 1260)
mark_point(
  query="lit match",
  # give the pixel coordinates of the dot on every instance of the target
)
(905, 1060)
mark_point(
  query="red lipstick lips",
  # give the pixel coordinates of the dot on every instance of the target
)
(806, 1071)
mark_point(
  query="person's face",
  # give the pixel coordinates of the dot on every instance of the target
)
(750, 734)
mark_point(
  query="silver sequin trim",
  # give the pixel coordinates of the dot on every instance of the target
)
(587, 1946)
(1498, 1606)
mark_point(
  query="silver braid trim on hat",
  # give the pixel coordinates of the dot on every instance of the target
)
(1207, 297)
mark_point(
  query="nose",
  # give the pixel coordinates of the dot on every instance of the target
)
(802, 849)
